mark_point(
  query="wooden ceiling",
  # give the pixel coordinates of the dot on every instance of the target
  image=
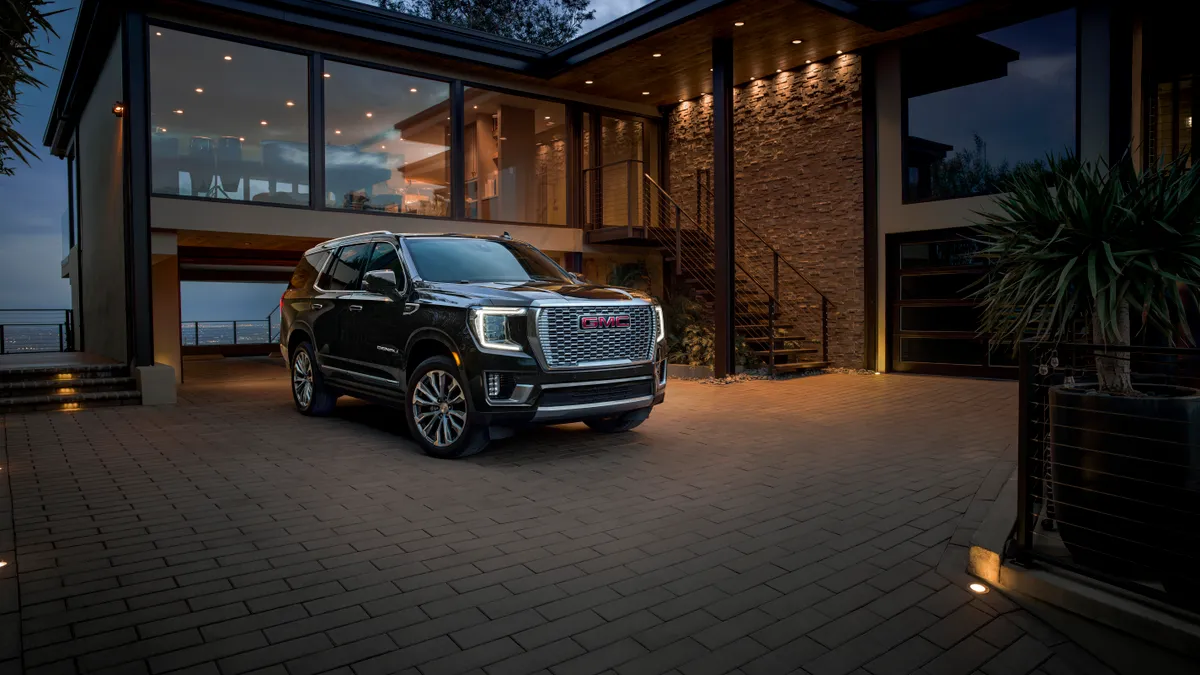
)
(248, 242)
(763, 45)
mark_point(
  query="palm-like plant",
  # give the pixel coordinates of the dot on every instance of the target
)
(1082, 243)
(21, 23)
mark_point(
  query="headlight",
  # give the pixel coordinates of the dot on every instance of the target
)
(490, 325)
(662, 325)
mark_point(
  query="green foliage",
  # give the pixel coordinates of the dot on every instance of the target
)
(691, 338)
(1086, 242)
(541, 22)
(968, 173)
(21, 23)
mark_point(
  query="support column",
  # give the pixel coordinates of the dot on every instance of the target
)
(724, 360)
(1104, 90)
(458, 149)
(136, 123)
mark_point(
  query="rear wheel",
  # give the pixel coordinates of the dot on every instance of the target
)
(619, 423)
(309, 392)
(438, 411)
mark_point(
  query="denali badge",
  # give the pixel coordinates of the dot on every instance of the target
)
(387, 348)
(590, 322)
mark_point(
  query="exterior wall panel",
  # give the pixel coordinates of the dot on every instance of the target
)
(798, 179)
(102, 214)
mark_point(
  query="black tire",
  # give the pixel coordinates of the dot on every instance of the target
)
(619, 423)
(320, 399)
(448, 402)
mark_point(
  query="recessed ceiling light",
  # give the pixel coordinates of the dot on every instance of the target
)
(645, 93)
(796, 42)
(158, 33)
(328, 75)
(547, 117)
(383, 147)
(779, 70)
(264, 123)
(370, 114)
(337, 131)
(657, 55)
(752, 79)
(808, 61)
(3, 563)
(228, 58)
(839, 51)
(199, 90)
(291, 103)
(475, 107)
(241, 139)
(179, 112)
(413, 90)
(587, 82)
(739, 24)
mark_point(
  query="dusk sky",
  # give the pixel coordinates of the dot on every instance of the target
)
(35, 199)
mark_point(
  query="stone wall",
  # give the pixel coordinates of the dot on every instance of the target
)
(798, 182)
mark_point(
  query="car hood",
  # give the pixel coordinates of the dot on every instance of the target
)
(513, 293)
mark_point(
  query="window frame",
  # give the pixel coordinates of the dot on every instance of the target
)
(316, 59)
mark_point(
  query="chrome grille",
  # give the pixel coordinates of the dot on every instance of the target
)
(565, 345)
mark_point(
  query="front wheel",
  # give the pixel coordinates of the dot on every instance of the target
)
(619, 423)
(438, 413)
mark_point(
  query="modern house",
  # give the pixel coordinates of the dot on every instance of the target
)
(806, 167)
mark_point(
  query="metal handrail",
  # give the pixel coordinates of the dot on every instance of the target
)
(619, 161)
(65, 322)
(775, 251)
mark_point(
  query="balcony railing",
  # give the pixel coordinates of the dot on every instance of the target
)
(27, 331)
(239, 332)
(1109, 485)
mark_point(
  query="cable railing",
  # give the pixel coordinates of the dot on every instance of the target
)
(29, 331)
(612, 196)
(232, 332)
(1108, 484)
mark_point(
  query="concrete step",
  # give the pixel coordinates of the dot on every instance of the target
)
(72, 401)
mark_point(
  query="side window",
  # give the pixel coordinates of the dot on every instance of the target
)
(308, 269)
(384, 257)
(343, 273)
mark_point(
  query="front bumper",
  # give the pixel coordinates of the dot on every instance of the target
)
(534, 396)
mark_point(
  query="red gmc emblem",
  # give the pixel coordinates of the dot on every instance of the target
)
(591, 322)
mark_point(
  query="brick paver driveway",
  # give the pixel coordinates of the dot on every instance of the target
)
(811, 524)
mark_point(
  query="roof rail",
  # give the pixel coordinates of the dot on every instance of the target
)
(349, 238)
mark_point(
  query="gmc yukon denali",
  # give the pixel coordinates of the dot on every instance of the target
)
(471, 337)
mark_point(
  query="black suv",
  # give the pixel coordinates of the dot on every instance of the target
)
(472, 337)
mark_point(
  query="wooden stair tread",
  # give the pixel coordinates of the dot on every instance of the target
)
(803, 365)
(786, 352)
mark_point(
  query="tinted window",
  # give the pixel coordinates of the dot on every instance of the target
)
(343, 273)
(387, 141)
(473, 260)
(982, 106)
(308, 269)
(228, 120)
(384, 257)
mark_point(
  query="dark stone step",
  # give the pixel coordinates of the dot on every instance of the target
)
(21, 388)
(77, 401)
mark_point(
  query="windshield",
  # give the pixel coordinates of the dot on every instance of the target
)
(455, 260)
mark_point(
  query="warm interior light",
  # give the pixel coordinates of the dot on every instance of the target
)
(547, 117)
(118, 109)
(839, 51)
(978, 588)
(291, 103)
(645, 93)
(65, 376)
(337, 131)
(587, 82)
(475, 107)
(657, 55)
(228, 58)
(199, 90)
(383, 147)
(779, 70)
(739, 24)
(177, 112)
(241, 139)
(808, 61)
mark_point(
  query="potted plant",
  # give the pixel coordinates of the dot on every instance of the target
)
(1108, 248)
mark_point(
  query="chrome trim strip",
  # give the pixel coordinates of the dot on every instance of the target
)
(589, 383)
(520, 396)
(353, 374)
(591, 409)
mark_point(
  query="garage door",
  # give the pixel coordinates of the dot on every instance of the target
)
(933, 326)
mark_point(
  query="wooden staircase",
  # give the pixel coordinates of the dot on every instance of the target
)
(780, 316)
(73, 387)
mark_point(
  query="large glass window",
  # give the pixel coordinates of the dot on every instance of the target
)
(516, 158)
(228, 120)
(980, 107)
(387, 141)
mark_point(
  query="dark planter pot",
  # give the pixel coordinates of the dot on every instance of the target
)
(1126, 482)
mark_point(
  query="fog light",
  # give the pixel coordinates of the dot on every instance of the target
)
(500, 386)
(493, 385)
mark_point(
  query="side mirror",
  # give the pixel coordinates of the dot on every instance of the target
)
(382, 282)
(577, 278)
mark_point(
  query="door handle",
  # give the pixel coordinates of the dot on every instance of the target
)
(317, 305)
(355, 308)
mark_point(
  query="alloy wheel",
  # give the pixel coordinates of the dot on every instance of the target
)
(439, 408)
(302, 378)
